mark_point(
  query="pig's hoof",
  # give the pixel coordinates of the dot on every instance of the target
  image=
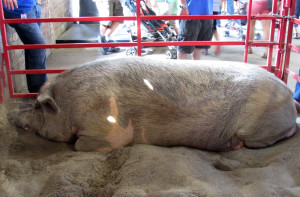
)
(234, 143)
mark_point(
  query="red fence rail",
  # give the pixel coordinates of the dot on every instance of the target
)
(283, 45)
(2, 81)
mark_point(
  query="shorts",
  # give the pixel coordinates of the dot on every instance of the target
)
(108, 8)
(260, 7)
(194, 30)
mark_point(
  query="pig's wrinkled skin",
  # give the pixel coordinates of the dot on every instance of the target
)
(209, 105)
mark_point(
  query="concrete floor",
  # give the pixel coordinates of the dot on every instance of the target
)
(68, 58)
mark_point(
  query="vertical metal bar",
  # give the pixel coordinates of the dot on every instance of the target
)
(282, 32)
(1, 93)
(248, 30)
(271, 38)
(2, 79)
(278, 48)
(288, 42)
(139, 34)
(5, 52)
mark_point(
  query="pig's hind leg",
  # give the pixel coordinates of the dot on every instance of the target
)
(232, 144)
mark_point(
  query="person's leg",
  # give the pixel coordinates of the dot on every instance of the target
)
(297, 9)
(105, 9)
(297, 14)
(297, 95)
(108, 30)
(196, 55)
(230, 10)
(218, 48)
(266, 30)
(223, 7)
(181, 55)
(251, 34)
(204, 33)
(297, 90)
(30, 33)
(187, 31)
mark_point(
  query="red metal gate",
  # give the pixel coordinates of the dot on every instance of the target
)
(283, 43)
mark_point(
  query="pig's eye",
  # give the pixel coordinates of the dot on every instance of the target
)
(37, 106)
(26, 127)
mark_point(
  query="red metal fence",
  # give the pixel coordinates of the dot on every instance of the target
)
(282, 45)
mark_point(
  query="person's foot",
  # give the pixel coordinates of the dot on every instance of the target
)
(296, 36)
(249, 50)
(264, 55)
(113, 49)
(205, 51)
(217, 50)
(103, 50)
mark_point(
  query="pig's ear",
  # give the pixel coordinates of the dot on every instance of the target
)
(48, 103)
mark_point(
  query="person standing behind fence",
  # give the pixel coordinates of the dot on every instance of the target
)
(260, 7)
(29, 33)
(230, 11)
(194, 30)
(216, 11)
(172, 10)
(107, 8)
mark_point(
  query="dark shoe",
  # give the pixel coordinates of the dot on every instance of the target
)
(103, 50)
(296, 36)
(265, 55)
(113, 49)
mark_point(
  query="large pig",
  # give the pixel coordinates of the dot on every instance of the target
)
(209, 105)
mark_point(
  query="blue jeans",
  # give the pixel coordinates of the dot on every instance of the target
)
(30, 33)
(230, 10)
(297, 91)
(297, 11)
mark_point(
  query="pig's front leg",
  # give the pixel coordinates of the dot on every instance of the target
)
(92, 143)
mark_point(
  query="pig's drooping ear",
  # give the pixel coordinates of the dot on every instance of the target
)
(48, 103)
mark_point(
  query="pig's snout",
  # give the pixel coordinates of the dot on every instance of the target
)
(17, 119)
(11, 117)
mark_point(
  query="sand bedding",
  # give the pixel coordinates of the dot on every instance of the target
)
(31, 166)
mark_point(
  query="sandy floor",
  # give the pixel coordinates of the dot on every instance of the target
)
(31, 166)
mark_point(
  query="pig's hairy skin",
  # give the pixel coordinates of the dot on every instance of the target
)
(208, 105)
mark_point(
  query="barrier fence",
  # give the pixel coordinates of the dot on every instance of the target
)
(282, 45)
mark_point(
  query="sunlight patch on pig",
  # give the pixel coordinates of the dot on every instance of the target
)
(111, 119)
(148, 84)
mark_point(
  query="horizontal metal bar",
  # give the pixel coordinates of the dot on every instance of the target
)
(73, 45)
(295, 48)
(23, 95)
(37, 71)
(122, 18)
(133, 44)
(295, 20)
